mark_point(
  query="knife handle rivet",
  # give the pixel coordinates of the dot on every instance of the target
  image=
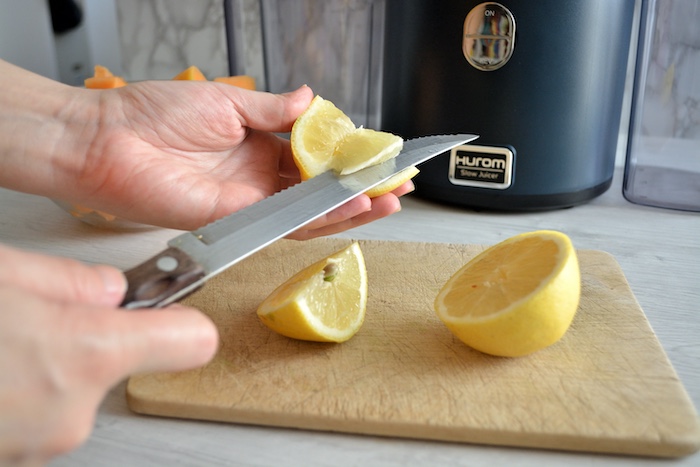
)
(167, 263)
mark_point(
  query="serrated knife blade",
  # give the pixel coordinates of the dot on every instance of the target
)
(194, 257)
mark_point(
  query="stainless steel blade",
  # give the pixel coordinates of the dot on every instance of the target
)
(227, 241)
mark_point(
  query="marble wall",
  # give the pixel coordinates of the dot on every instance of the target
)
(334, 46)
(671, 104)
(160, 38)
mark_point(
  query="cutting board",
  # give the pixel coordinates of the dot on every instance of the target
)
(607, 386)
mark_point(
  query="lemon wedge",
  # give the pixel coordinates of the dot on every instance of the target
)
(315, 134)
(393, 183)
(514, 298)
(363, 148)
(324, 302)
(324, 138)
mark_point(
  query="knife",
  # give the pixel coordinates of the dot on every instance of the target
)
(194, 257)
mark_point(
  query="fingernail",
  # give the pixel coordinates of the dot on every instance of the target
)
(113, 283)
(304, 86)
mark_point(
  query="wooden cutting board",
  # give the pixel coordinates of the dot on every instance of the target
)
(607, 386)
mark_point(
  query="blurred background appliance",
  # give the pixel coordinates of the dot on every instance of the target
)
(541, 82)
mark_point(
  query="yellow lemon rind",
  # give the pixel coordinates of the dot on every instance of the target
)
(324, 138)
(532, 323)
(311, 149)
(386, 146)
(292, 316)
(393, 183)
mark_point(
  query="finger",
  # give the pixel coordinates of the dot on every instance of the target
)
(357, 212)
(142, 341)
(337, 217)
(382, 206)
(270, 112)
(404, 189)
(61, 279)
(62, 358)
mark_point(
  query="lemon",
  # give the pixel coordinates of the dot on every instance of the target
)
(393, 183)
(324, 138)
(363, 148)
(516, 297)
(315, 134)
(323, 302)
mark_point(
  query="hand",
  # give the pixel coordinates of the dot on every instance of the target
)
(170, 153)
(65, 344)
(184, 154)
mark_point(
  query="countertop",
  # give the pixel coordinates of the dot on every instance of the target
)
(658, 250)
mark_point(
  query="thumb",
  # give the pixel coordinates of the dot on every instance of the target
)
(61, 279)
(170, 339)
(272, 112)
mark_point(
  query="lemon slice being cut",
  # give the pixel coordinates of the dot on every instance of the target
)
(315, 135)
(515, 298)
(363, 148)
(324, 138)
(323, 302)
(393, 183)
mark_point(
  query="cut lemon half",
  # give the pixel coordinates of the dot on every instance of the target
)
(514, 298)
(323, 302)
(324, 138)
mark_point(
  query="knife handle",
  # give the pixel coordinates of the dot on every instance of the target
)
(154, 281)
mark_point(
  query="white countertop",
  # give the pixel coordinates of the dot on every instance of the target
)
(659, 251)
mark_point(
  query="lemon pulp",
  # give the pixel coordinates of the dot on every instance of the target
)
(324, 302)
(516, 297)
(324, 138)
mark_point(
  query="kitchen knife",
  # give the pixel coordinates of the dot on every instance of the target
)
(194, 257)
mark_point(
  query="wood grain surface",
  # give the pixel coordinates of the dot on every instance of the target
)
(607, 386)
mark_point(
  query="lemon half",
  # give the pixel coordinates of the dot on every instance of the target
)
(514, 298)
